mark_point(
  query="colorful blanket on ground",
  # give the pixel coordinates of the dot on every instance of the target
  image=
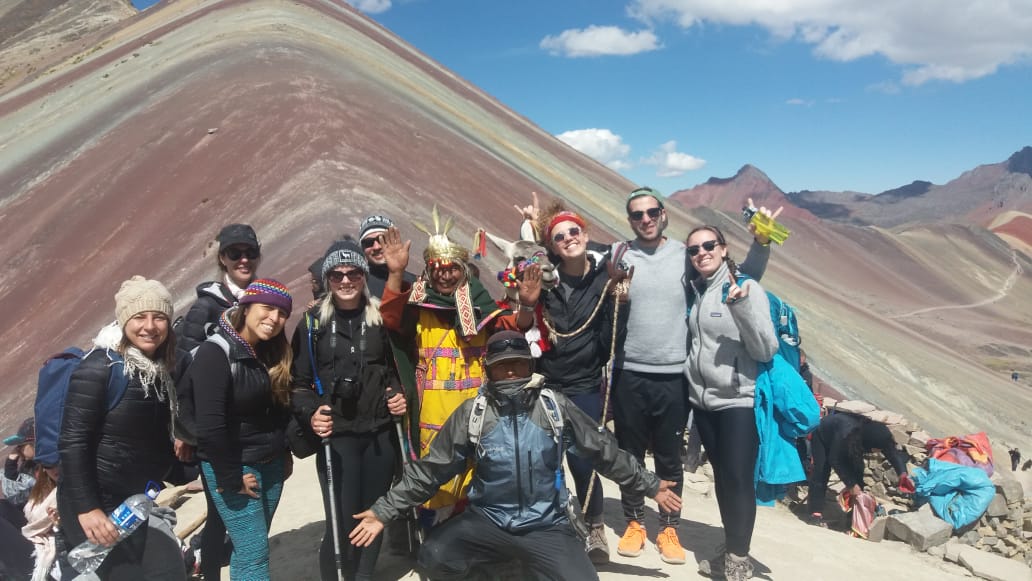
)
(970, 450)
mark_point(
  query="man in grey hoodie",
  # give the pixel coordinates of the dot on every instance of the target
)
(650, 405)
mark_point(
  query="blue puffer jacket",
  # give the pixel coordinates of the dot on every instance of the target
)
(514, 478)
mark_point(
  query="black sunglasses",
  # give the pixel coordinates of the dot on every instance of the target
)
(368, 242)
(637, 215)
(504, 345)
(572, 233)
(337, 276)
(251, 253)
(708, 246)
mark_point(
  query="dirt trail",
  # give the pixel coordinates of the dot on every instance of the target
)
(1007, 286)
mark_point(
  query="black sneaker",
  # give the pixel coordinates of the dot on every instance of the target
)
(597, 546)
(817, 520)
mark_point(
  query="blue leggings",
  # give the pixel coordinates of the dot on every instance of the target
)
(247, 519)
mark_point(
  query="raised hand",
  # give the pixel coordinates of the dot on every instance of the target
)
(395, 252)
(532, 211)
(530, 287)
(735, 292)
(760, 238)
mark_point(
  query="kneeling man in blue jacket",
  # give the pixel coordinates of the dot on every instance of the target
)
(517, 499)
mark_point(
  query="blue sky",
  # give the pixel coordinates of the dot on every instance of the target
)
(862, 95)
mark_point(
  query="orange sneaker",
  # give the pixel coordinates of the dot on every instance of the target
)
(670, 549)
(632, 543)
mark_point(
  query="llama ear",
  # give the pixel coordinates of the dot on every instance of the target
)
(502, 244)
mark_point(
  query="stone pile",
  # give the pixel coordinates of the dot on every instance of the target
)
(996, 546)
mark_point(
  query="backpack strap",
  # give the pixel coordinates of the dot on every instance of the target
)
(311, 321)
(117, 383)
(555, 417)
(234, 366)
(476, 419)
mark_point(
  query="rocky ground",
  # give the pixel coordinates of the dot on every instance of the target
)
(783, 545)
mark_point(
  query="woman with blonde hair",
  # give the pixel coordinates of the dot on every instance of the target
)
(346, 389)
(240, 380)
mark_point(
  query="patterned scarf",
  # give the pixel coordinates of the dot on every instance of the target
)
(153, 375)
(473, 305)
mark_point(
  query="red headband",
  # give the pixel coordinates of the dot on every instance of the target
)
(565, 216)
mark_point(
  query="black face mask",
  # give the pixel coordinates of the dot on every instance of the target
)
(509, 391)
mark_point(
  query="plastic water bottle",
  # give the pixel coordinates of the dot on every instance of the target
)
(765, 225)
(127, 517)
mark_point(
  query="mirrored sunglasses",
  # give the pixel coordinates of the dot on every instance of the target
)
(572, 233)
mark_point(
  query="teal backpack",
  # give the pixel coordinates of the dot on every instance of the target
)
(786, 327)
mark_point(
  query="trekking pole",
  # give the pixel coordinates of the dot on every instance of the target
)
(413, 521)
(333, 503)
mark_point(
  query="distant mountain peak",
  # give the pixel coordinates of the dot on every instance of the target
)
(746, 172)
(1021, 161)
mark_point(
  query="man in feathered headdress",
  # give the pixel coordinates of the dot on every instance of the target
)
(450, 316)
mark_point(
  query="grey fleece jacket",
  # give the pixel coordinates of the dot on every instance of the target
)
(657, 329)
(726, 342)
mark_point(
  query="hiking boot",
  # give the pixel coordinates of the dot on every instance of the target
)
(713, 568)
(632, 543)
(737, 568)
(670, 549)
(597, 546)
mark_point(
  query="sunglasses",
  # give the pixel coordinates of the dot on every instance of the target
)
(501, 346)
(572, 233)
(637, 215)
(251, 253)
(708, 246)
(337, 276)
(368, 242)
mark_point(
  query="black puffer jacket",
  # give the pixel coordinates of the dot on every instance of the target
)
(237, 419)
(108, 456)
(574, 365)
(213, 297)
(360, 353)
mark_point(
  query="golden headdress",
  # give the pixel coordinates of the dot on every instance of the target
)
(440, 249)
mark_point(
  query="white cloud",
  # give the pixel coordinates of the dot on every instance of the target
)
(600, 41)
(672, 163)
(932, 40)
(602, 145)
(371, 6)
(800, 102)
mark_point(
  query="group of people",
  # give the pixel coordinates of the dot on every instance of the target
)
(485, 422)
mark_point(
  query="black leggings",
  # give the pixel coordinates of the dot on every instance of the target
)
(732, 443)
(582, 469)
(363, 469)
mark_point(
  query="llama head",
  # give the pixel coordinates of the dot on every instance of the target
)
(522, 253)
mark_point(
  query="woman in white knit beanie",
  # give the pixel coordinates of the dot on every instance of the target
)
(111, 450)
